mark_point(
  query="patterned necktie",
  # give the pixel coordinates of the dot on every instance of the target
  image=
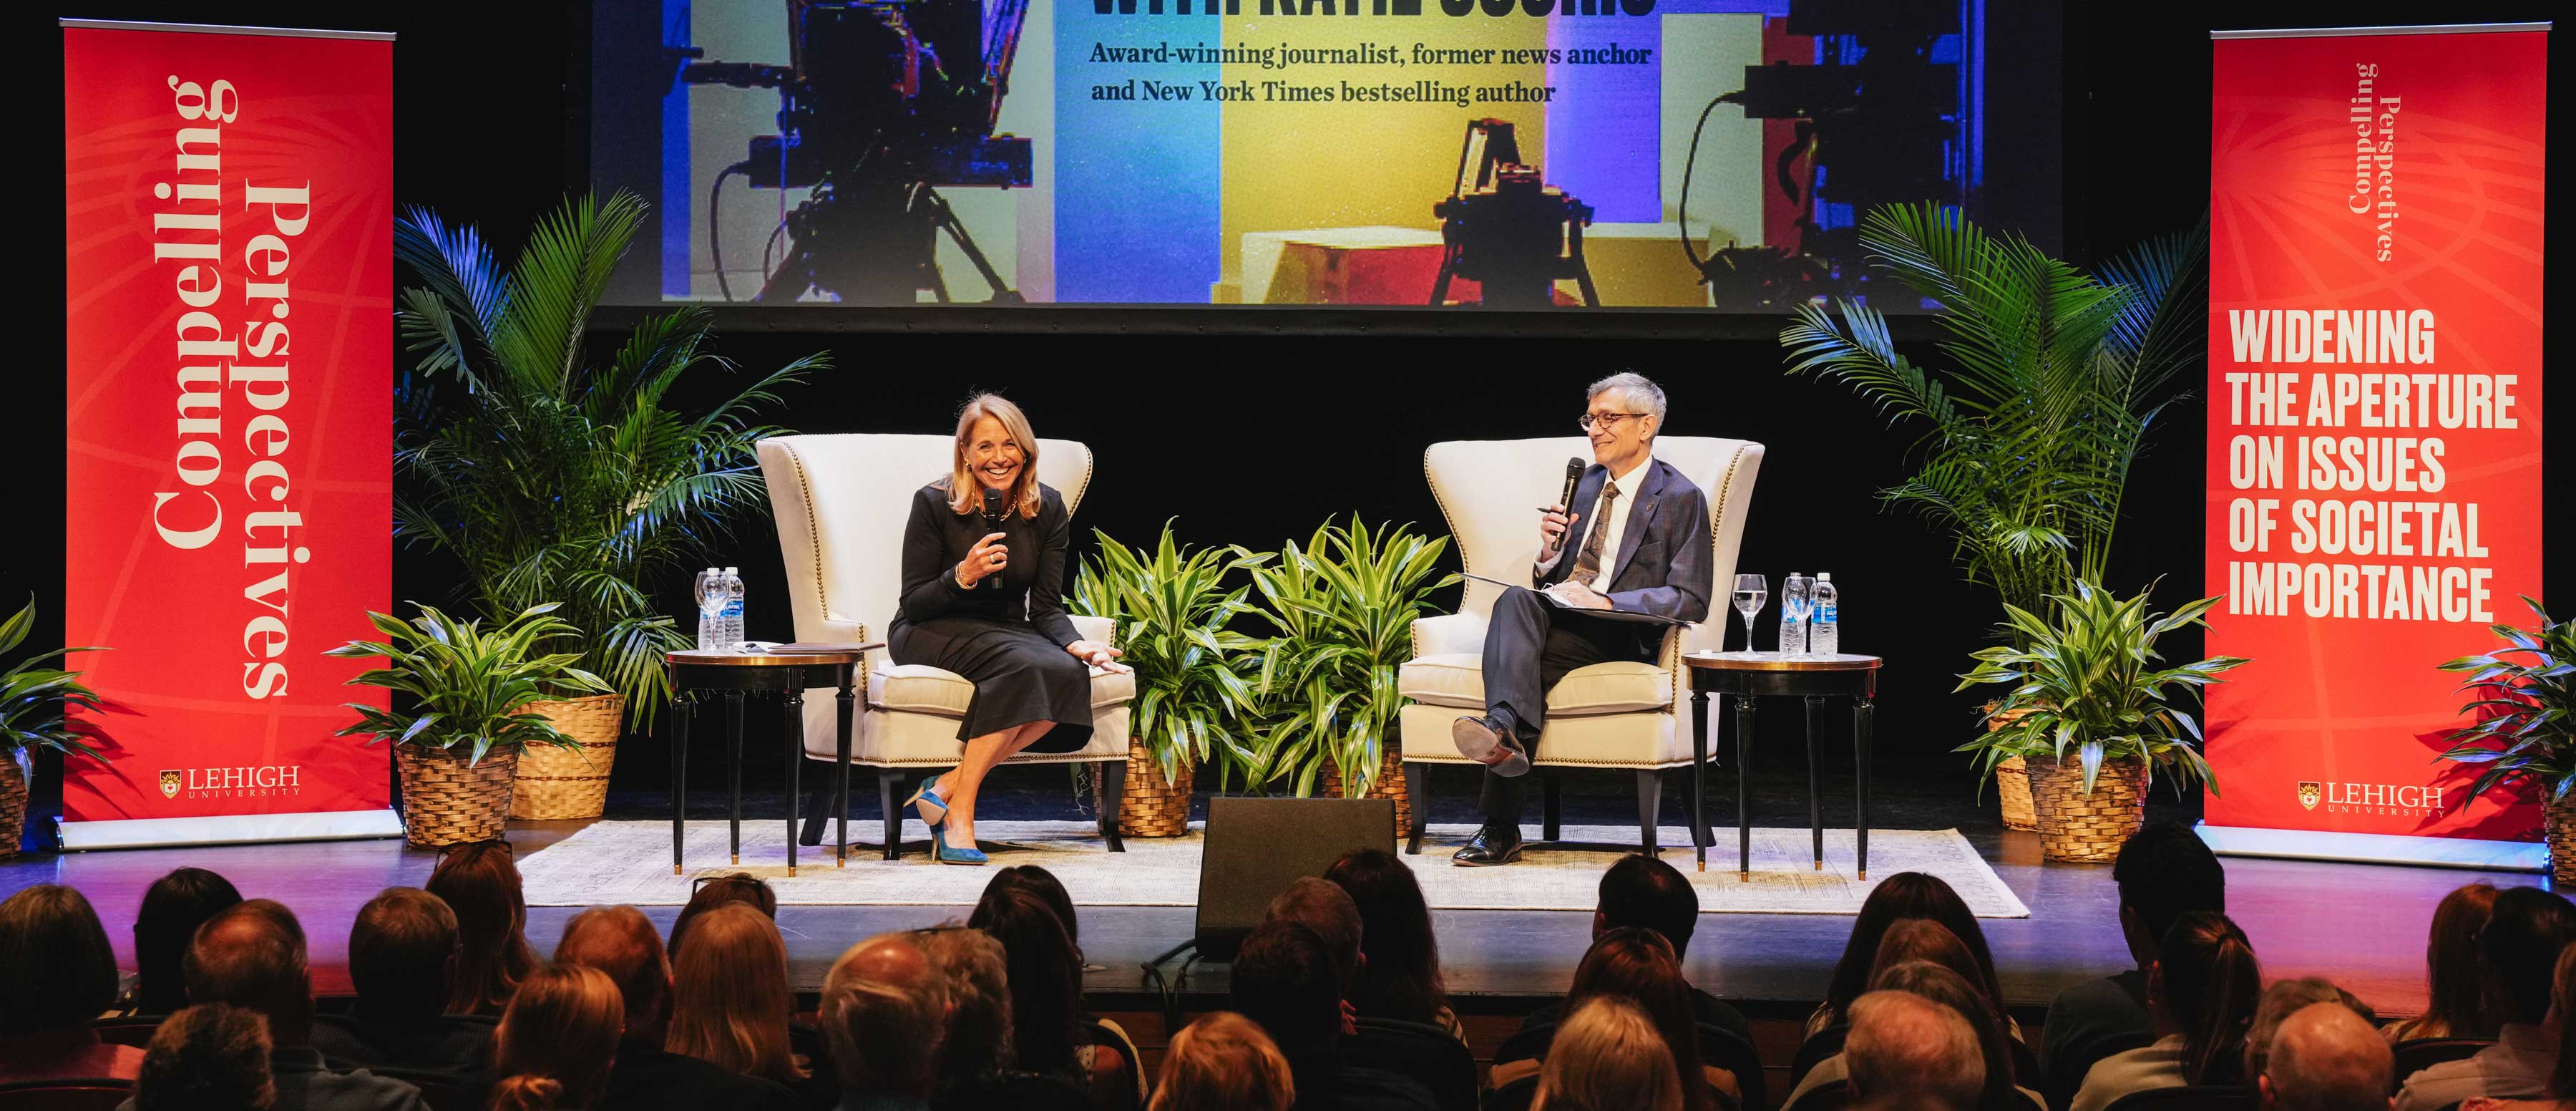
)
(1587, 565)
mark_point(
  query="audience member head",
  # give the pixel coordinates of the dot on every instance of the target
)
(1322, 906)
(557, 1040)
(619, 941)
(1223, 1062)
(1042, 883)
(1908, 1053)
(2204, 986)
(56, 969)
(207, 1058)
(2279, 1002)
(717, 891)
(1608, 1056)
(480, 883)
(1637, 964)
(2525, 930)
(1901, 896)
(173, 907)
(402, 953)
(1045, 974)
(978, 1043)
(2465, 994)
(884, 1012)
(2326, 1058)
(2165, 871)
(729, 996)
(1944, 985)
(1400, 973)
(2562, 995)
(1641, 890)
(1922, 939)
(1284, 980)
(252, 954)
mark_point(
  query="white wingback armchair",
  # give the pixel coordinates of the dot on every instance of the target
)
(840, 503)
(1609, 715)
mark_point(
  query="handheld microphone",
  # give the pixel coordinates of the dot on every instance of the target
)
(1574, 466)
(994, 511)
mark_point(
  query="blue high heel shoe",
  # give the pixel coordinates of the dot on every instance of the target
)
(926, 795)
(940, 851)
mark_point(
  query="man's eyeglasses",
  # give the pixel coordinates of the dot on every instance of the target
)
(1606, 420)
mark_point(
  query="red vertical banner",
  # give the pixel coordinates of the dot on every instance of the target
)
(2374, 458)
(228, 269)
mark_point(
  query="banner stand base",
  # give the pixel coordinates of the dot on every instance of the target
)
(2376, 848)
(231, 829)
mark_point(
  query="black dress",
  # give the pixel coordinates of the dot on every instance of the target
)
(1007, 639)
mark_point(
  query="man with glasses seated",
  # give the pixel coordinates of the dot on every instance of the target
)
(1639, 538)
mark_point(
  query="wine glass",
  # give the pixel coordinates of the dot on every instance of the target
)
(1750, 592)
(1797, 601)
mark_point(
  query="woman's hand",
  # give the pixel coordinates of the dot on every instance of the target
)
(988, 557)
(1098, 655)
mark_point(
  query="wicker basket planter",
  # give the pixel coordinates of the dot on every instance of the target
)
(1151, 807)
(2561, 826)
(2087, 829)
(2012, 789)
(1389, 784)
(13, 801)
(447, 802)
(559, 784)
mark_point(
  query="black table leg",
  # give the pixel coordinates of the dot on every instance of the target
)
(1699, 775)
(733, 765)
(1743, 787)
(794, 728)
(1863, 711)
(679, 773)
(1815, 807)
(841, 769)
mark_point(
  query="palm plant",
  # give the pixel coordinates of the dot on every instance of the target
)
(2526, 710)
(1344, 604)
(466, 683)
(34, 700)
(2088, 684)
(2057, 378)
(553, 476)
(1173, 613)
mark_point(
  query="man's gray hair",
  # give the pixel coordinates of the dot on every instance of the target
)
(2327, 1058)
(1907, 1052)
(1639, 389)
(2283, 999)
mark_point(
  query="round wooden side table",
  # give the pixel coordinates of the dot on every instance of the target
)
(1750, 675)
(789, 670)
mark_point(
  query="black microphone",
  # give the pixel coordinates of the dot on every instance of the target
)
(994, 511)
(1574, 466)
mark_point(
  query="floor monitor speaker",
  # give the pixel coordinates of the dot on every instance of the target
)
(1256, 847)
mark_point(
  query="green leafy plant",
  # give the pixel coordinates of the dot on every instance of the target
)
(554, 476)
(2056, 378)
(2088, 684)
(34, 700)
(1174, 615)
(2525, 727)
(1343, 605)
(466, 683)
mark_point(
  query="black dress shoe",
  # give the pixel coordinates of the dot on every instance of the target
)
(1488, 848)
(1484, 740)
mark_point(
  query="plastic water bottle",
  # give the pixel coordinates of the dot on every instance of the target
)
(709, 592)
(733, 627)
(1823, 638)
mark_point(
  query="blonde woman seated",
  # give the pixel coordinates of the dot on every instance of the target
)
(982, 597)
(1608, 1057)
(1224, 1062)
(557, 1040)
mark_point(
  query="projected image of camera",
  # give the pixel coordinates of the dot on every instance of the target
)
(882, 103)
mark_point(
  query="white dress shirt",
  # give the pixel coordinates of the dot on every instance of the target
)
(1617, 526)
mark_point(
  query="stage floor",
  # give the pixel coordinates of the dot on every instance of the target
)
(2362, 926)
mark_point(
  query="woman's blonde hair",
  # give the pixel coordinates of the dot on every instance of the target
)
(1608, 1057)
(557, 1040)
(1223, 1062)
(729, 997)
(965, 492)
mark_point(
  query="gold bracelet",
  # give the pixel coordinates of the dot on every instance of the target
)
(958, 576)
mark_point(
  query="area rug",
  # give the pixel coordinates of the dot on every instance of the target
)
(630, 862)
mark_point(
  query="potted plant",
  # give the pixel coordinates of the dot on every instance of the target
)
(2057, 378)
(1344, 604)
(1192, 703)
(549, 472)
(459, 740)
(2089, 714)
(32, 705)
(2525, 724)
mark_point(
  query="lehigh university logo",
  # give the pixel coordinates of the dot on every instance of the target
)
(2309, 792)
(169, 785)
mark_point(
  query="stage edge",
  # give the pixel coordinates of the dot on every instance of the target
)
(2376, 848)
(231, 829)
